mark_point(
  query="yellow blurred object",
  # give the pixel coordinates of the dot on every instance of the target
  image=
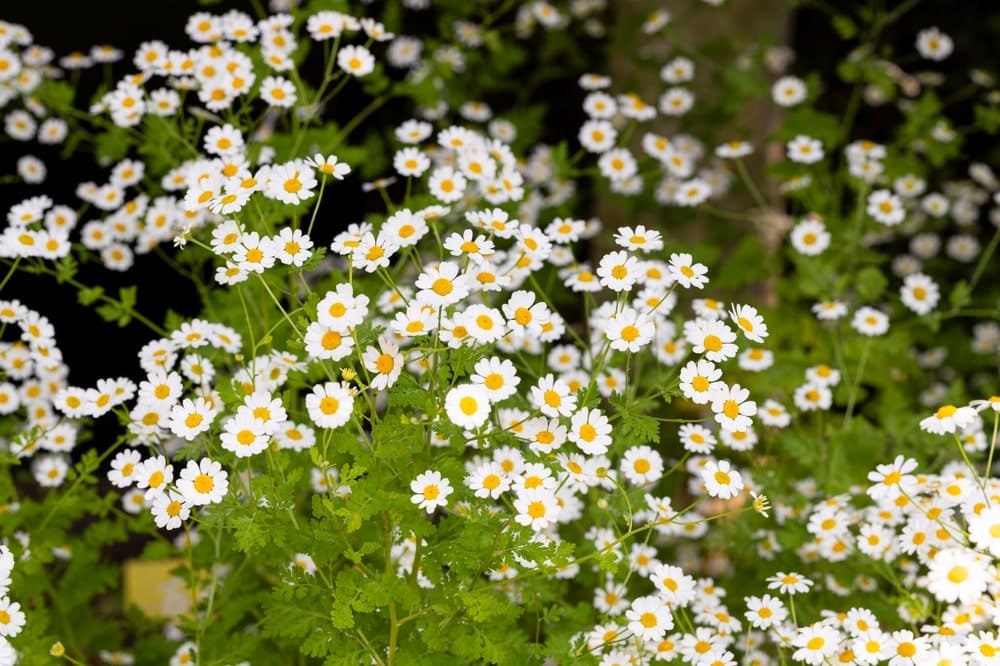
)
(149, 585)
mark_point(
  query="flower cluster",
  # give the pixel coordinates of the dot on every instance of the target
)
(477, 421)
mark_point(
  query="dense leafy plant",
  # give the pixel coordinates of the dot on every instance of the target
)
(480, 426)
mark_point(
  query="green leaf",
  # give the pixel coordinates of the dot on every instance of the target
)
(823, 126)
(960, 295)
(633, 425)
(987, 118)
(870, 284)
(844, 26)
(66, 268)
(88, 295)
(742, 266)
(112, 145)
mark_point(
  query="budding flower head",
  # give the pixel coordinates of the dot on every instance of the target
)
(57, 649)
(348, 374)
(761, 504)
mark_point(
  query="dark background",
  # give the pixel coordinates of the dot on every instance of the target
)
(68, 25)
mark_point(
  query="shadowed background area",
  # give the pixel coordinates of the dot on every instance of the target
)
(74, 26)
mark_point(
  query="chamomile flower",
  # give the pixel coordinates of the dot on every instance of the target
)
(203, 482)
(11, 618)
(804, 150)
(869, 321)
(488, 480)
(829, 310)
(278, 91)
(957, 575)
(536, 508)
(341, 310)
(686, 272)
(153, 475)
(468, 405)
(414, 131)
(618, 271)
(597, 136)
(600, 105)
(170, 509)
(721, 479)
(411, 162)
(430, 490)
(732, 407)
(816, 644)
(373, 252)
(890, 480)
(191, 418)
(699, 379)
(765, 612)
(356, 60)
(629, 330)
(590, 430)
(789, 583)
(886, 207)
(649, 618)
(813, 396)
(749, 321)
(734, 149)
(290, 183)
(330, 404)
(919, 293)
(676, 101)
(714, 339)
(934, 44)
(810, 237)
(641, 465)
(553, 397)
(244, 435)
(123, 468)
(617, 164)
(692, 192)
(696, 438)
(984, 530)
(304, 563)
(755, 359)
(446, 184)
(948, 419)
(469, 244)
(788, 91)
(498, 376)
(329, 166)
(442, 285)
(384, 362)
(485, 325)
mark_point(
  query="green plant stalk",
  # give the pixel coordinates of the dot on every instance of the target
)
(859, 375)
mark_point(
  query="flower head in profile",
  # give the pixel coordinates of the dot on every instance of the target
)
(761, 503)
(948, 419)
(789, 583)
(329, 166)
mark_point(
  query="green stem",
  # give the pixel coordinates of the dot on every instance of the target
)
(984, 260)
(993, 445)
(10, 273)
(748, 181)
(319, 199)
(859, 375)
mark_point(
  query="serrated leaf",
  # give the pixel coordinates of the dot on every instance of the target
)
(89, 295)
